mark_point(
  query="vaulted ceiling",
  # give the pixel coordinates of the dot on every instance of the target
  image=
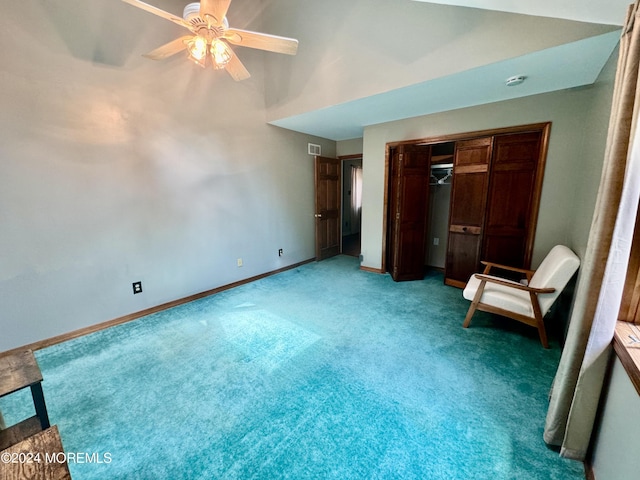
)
(575, 40)
(592, 11)
(359, 62)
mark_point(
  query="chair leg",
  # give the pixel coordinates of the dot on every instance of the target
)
(539, 320)
(543, 334)
(474, 304)
(470, 312)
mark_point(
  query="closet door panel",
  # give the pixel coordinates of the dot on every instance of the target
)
(508, 225)
(466, 197)
(411, 187)
(468, 202)
(464, 262)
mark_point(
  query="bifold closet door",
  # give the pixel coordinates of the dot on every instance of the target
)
(468, 206)
(409, 210)
(512, 205)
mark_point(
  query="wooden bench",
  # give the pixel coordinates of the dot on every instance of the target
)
(38, 457)
(18, 371)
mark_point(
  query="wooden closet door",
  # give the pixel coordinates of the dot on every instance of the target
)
(409, 203)
(468, 202)
(513, 199)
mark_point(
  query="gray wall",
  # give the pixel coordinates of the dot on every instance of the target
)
(617, 437)
(439, 203)
(115, 169)
(349, 147)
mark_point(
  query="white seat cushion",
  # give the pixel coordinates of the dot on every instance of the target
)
(517, 301)
(554, 272)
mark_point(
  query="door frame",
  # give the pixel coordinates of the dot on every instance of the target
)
(341, 159)
(544, 128)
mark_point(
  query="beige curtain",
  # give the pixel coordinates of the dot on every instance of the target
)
(578, 382)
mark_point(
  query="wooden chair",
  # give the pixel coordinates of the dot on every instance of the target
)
(527, 303)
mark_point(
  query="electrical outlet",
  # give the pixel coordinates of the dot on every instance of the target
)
(436, 241)
(280, 253)
(239, 262)
(137, 287)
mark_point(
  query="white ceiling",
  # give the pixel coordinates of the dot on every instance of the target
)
(571, 65)
(610, 12)
(565, 66)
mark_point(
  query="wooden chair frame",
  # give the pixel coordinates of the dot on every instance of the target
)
(536, 321)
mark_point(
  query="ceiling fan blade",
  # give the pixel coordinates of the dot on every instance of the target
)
(169, 49)
(262, 41)
(214, 8)
(159, 12)
(236, 69)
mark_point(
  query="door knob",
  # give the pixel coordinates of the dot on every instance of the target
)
(318, 215)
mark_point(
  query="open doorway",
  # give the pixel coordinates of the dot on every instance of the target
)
(351, 204)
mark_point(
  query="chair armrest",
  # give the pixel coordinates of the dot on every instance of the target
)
(517, 286)
(507, 267)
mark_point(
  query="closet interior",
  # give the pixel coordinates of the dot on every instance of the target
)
(440, 182)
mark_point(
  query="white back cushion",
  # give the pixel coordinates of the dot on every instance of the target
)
(555, 271)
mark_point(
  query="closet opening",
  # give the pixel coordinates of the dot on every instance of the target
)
(440, 181)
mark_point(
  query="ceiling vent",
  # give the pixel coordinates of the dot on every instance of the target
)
(314, 149)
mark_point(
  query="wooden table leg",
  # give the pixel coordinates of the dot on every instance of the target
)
(41, 407)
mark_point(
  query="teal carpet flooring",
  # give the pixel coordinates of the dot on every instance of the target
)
(323, 372)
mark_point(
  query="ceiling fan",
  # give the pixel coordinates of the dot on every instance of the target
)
(211, 34)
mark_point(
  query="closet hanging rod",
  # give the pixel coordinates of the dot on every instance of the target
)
(440, 166)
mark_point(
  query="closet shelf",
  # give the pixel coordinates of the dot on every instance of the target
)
(441, 159)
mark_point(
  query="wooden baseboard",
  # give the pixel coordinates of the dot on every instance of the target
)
(370, 269)
(454, 283)
(133, 316)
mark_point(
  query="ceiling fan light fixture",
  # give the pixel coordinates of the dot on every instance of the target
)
(220, 53)
(197, 48)
(211, 35)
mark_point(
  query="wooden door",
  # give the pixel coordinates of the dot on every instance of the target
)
(516, 168)
(409, 207)
(466, 216)
(327, 206)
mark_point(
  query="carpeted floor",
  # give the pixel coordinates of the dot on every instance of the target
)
(324, 371)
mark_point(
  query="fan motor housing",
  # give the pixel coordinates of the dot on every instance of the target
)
(191, 14)
(192, 10)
